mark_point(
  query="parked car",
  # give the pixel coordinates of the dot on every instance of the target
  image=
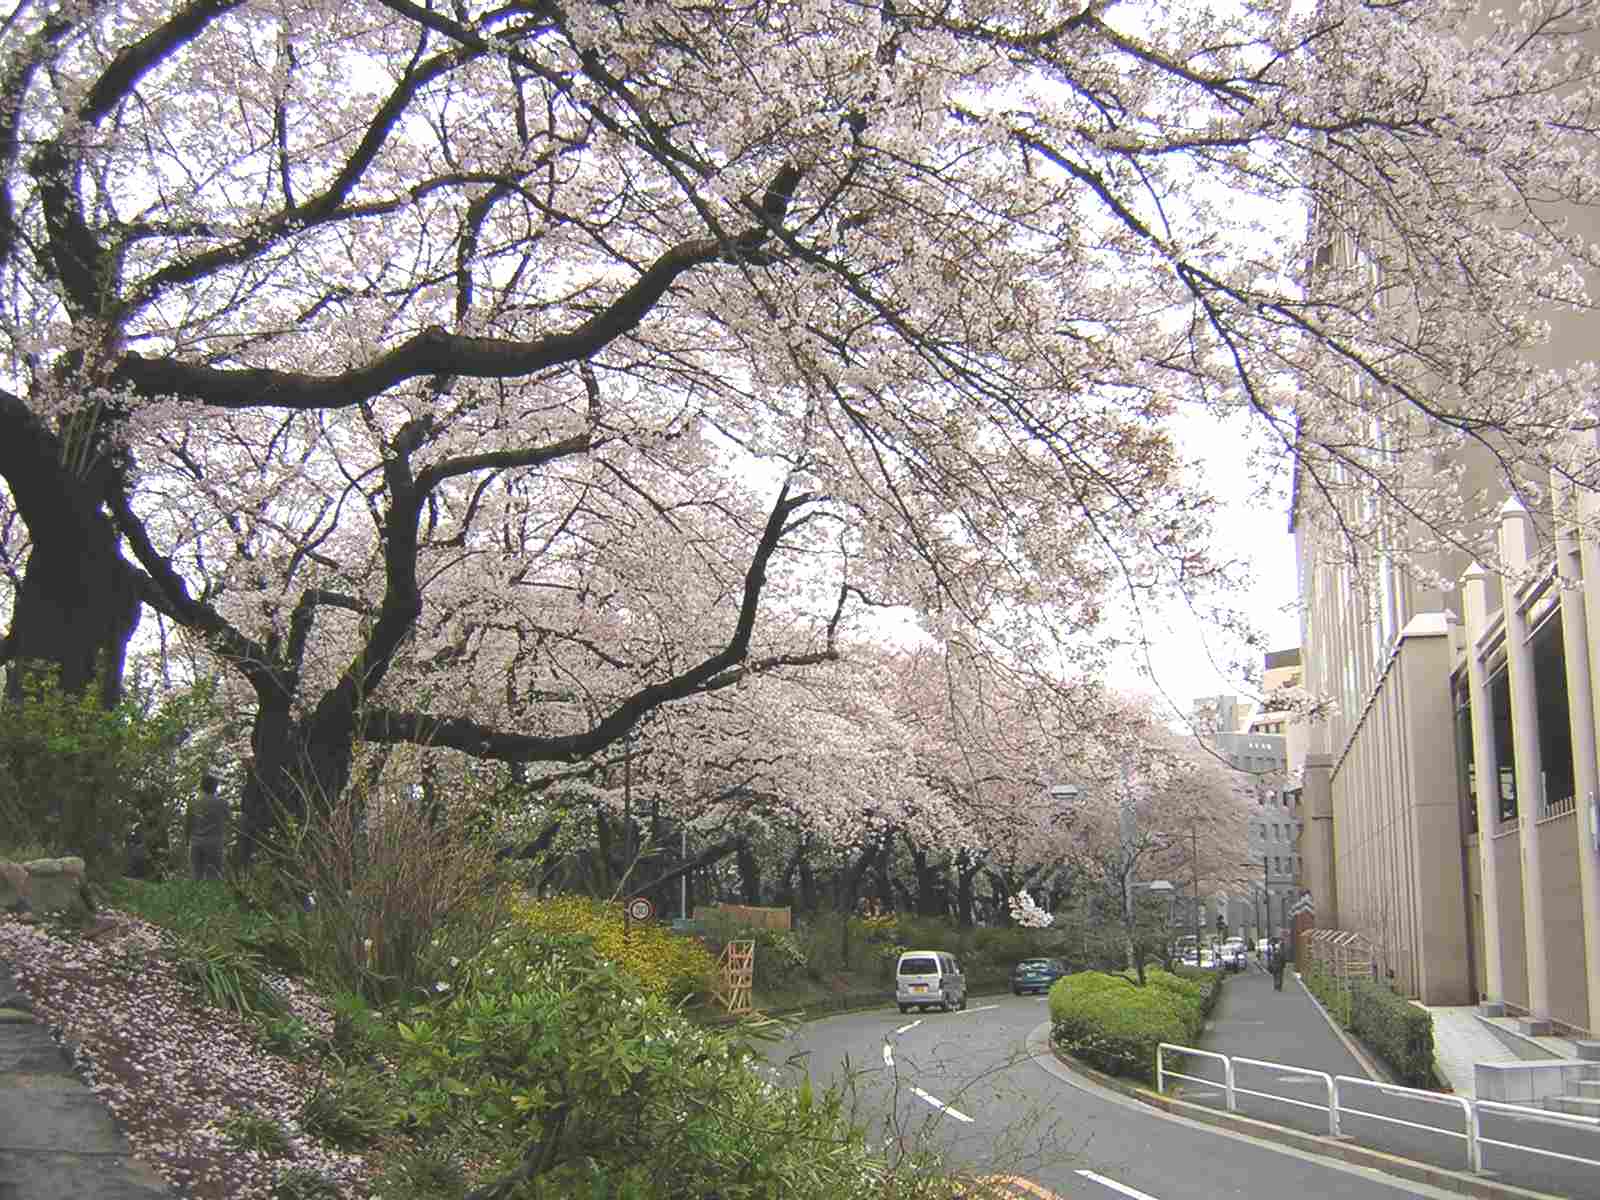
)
(1036, 974)
(1234, 955)
(929, 979)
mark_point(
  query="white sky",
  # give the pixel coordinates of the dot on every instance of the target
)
(1189, 657)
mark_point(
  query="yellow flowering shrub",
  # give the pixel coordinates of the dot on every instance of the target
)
(665, 964)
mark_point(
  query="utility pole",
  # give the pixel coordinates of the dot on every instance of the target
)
(1266, 890)
(1194, 851)
(627, 829)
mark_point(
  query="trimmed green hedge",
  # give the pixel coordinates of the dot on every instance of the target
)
(1396, 1030)
(1114, 1025)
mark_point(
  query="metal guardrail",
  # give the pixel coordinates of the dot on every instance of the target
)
(1472, 1109)
(1571, 1120)
(1470, 1134)
(1227, 1070)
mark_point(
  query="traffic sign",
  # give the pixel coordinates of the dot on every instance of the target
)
(641, 909)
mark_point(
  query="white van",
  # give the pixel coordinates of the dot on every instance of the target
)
(924, 978)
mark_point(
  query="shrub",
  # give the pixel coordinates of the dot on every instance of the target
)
(303, 1183)
(252, 1131)
(352, 1112)
(425, 1173)
(286, 1036)
(225, 978)
(781, 954)
(1398, 1031)
(1114, 1025)
(75, 777)
(568, 1066)
(664, 964)
(389, 882)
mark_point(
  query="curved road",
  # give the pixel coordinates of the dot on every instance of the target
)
(968, 1083)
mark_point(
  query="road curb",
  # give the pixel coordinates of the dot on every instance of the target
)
(1369, 1064)
(1339, 1149)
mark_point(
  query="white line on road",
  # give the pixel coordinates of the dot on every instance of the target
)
(942, 1106)
(1117, 1187)
(888, 1056)
(908, 1028)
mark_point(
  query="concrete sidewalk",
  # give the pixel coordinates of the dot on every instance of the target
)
(57, 1139)
(1254, 1021)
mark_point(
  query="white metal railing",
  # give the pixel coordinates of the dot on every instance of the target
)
(1162, 1071)
(1471, 1109)
(1571, 1120)
(1327, 1082)
(1469, 1134)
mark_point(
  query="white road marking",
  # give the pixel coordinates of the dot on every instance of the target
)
(1117, 1187)
(1299, 1079)
(888, 1056)
(942, 1106)
(908, 1028)
(1200, 1095)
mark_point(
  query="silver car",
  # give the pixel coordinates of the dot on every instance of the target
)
(928, 979)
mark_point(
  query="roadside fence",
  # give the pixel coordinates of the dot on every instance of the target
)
(1341, 1088)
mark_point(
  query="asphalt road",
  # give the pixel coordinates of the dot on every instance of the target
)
(966, 1083)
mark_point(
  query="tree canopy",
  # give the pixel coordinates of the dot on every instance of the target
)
(490, 377)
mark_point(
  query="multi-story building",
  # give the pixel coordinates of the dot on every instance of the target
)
(1256, 742)
(1450, 796)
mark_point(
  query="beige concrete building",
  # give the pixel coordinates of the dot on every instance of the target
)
(1450, 800)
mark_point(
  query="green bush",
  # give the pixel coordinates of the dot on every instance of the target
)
(395, 889)
(253, 1131)
(665, 964)
(1114, 1025)
(352, 1112)
(75, 777)
(303, 1183)
(1396, 1030)
(226, 978)
(560, 1065)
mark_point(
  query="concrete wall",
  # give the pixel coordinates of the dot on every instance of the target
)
(1480, 969)
(1513, 941)
(1563, 924)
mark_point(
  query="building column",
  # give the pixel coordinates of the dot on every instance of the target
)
(1316, 839)
(1583, 558)
(1439, 953)
(1517, 548)
(1486, 785)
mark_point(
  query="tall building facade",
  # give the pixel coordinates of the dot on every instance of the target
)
(1255, 740)
(1450, 794)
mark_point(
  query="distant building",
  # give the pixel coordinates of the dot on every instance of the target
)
(1256, 742)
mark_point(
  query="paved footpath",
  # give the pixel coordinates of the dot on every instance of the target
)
(57, 1139)
(1288, 1028)
(1254, 1021)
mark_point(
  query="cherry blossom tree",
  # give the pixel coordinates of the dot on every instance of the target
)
(1156, 804)
(489, 378)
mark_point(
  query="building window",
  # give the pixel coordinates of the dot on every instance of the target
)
(1504, 755)
(1555, 725)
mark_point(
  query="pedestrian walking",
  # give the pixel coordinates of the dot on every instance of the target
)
(1275, 963)
(206, 827)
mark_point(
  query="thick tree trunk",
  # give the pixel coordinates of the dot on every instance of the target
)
(749, 874)
(966, 871)
(79, 600)
(296, 764)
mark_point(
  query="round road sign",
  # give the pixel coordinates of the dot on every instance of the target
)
(640, 909)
